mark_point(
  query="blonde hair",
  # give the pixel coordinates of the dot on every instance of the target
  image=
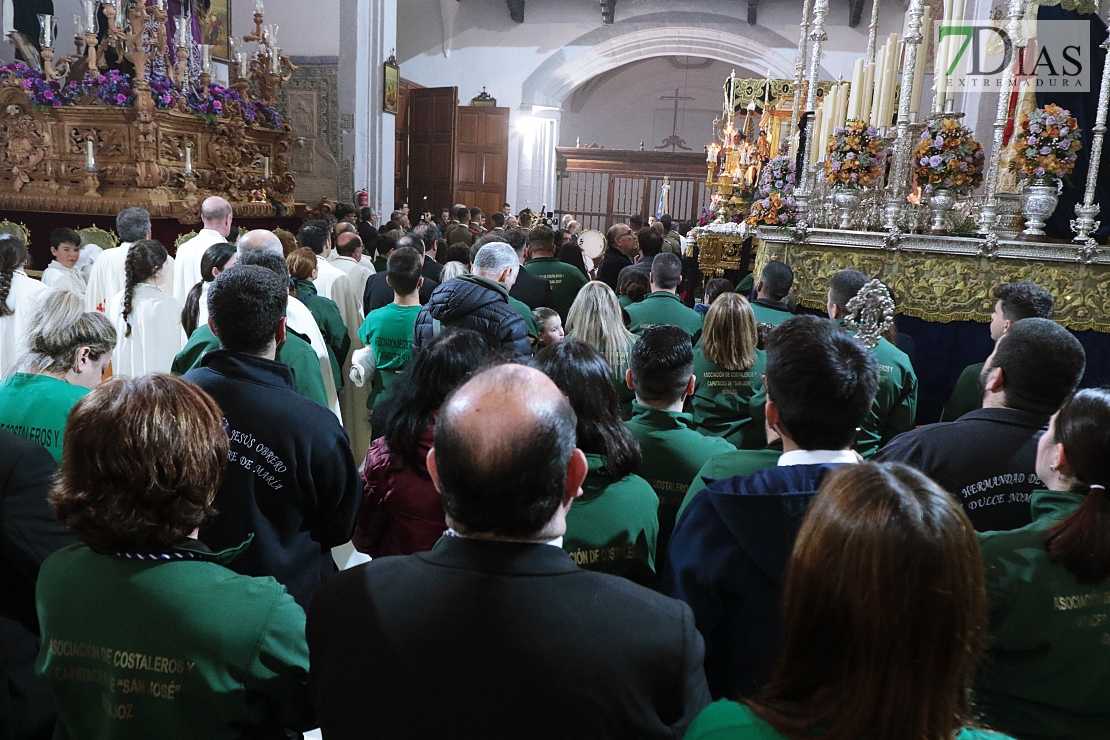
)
(58, 326)
(595, 318)
(729, 336)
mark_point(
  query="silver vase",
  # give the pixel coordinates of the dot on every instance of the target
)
(1038, 201)
(847, 199)
(940, 203)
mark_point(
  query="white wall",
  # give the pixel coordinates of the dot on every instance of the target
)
(304, 28)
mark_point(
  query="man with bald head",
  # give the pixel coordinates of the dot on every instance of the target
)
(215, 214)
(496, 632)
(348, 258)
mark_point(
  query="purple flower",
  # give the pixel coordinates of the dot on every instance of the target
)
(1063, 145)
(1046, 150)
(924, 162)
(778, 184)
(1064, 130)
(1031, 141)
(935, 160)
(790, 201)
(850, 155)
(1034, 128)
(121, 98)
(938, 142)
(1039, 171)
(1051, 120)
(49, 95)
(947, 182)
(783, 218)
(928, 189)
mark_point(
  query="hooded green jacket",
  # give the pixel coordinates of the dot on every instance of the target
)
(328, 318)
(170, 648)
(614, 525)
(1047, 669)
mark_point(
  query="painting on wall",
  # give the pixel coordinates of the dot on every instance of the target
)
(391, 100)
(216, 29)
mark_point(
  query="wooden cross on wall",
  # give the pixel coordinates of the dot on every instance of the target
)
(674, 141)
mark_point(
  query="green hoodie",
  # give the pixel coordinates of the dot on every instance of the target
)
(331, 326)
(168, 649)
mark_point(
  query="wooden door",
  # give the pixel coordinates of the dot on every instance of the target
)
(482, 157)
(401, 139)
(432, 125)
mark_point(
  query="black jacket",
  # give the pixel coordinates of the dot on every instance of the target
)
(29, 533)
(500, 640)
(987, 459)
(378, 293)
(472, 302)
(534, 292)
(432, 270)
(611, 265)
(290, 480)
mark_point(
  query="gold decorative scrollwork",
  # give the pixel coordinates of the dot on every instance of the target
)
(717, 253)
(942, 288)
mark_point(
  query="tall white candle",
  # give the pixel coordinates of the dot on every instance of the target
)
(90, 15)
(265, 168)
(90, 158)
(878, 77)
(206, 58)
(922, 56)
(856, 93)
(188, 159)
(817, 147)
(866, 92)
(258, 7)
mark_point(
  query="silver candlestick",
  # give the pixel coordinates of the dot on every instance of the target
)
(816, 35)
(799, 70)
(1086, 211)
(897, 185)
(988, 214)
(872, 33)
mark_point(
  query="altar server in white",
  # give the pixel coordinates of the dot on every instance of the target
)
(147, 321)
(62, 272)
(263, 248)
(348, 258)
(16, 293)
(107, 277)
(215, 213)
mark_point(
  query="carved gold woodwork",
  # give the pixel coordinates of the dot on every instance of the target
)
(720, 252)
(945, 287)
(139, 160)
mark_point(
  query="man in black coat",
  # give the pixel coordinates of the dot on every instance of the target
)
(480, 302)
(291, 480)
(987, 458)
(379, 293)
(532, 291)
(29, 533)
(496, 633)
(621, 247)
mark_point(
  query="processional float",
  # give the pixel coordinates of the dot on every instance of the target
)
(860, 177)
(128, 121)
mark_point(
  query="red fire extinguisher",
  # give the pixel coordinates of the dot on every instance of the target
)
(363, 198)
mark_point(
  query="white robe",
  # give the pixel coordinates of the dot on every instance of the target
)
(88, 256)
(58, 275)
(13, 327)
(156, 333)
(300, 319)
(358, 275)
(332, 282)
(109, 276)
(202, 304)
(186, 271)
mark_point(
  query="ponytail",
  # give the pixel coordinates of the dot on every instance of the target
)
(13, 253)
(144, 259)
(1082, 540)
(215, 259)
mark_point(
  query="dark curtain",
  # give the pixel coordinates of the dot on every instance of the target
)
(26, 17)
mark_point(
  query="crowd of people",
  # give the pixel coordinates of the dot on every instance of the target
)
(598, 500)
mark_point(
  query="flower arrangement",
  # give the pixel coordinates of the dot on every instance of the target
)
(1046, 143)
(164, 91)
(41, 92)
(774, 200)
(114, 88)
(948, 158)
(853, 155)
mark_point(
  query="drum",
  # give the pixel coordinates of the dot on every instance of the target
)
(592, 244)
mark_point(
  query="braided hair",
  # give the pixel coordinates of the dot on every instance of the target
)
(215, 258)
(144, 259)
(13, 253)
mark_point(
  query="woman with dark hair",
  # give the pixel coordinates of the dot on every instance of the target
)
(16, 292)
(632, 286)
(215, 260)
(613, 526)
(67, 350)
(302, 271)
(147, 321)
(883, 618)
(145, 632)
(401, 510)
(1047, 673)
(571, 254)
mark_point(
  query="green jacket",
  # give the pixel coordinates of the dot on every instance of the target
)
(328, 318)
(729, 465)
(170, 648)
(768, 315)
(895, 406)
(565, 280)
(966, 396)
(36, 407)
(662, 307)
(296, 354)
(722, 398)
(525, 313)
(672, 454)
(728, 720)
(625, 301)
(613, 526)
(1047, 671)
